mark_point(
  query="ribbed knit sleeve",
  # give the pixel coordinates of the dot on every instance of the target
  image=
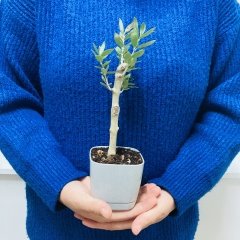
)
(25, 138)
(215, 137)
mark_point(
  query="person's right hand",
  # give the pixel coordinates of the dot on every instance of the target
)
(76, 195)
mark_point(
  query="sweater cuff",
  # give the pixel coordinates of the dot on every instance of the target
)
(174, 188)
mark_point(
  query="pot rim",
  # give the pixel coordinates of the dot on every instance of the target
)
(119, 165)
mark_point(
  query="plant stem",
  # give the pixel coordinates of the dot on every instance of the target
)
(115, 109)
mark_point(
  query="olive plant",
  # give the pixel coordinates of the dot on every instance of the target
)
(127, 61)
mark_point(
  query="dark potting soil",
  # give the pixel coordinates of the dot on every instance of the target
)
(123, 156)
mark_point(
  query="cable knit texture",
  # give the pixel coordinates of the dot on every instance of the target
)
(183, 117)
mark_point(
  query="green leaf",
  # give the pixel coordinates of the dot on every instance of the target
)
(99, 58)
(130, 69)
(142, 28)
(135, 22)
(125, 48)
(95, 48)
(107, 52)
(146, 44)
(101, 48)
(104, 71)
(106, 63)
(128, 83)
(129, 27)
(98, 67)
(128, 75)
(118, 50)
(147, 33)
(132, 62)
(125, 83)
(127, 36)
(121, 27)
(135, 33)
(134, 37)
(138, 53)
(94, 52)
(118, 40)
(127, 57)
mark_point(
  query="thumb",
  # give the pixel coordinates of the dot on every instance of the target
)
(96, 206)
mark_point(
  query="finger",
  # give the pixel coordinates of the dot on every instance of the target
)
(91, 216)
(78, 216)
(150, 188)
(83, 217)
(148, 218)
(147, 186)
(144, 220)
(143, 188)
(94, 206)
(149, 193)
(150, 185)
(108, 226)
(139, 208)
(156, 191)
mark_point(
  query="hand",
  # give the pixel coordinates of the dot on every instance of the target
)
(165, 205)
(147, 199)
(163, 208)
(76, 196)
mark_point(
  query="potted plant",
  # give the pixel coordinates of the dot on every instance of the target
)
(116, 171)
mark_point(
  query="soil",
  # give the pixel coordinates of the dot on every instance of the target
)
(123, 156)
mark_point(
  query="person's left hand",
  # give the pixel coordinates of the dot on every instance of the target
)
(165, 205)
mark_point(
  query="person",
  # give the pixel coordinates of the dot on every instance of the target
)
(183, 116)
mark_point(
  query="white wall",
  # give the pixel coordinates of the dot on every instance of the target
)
(12, 208)
(220, 212)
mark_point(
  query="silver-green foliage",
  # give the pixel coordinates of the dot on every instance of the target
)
(127, 38)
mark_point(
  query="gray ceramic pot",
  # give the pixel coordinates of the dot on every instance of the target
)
(116, 184)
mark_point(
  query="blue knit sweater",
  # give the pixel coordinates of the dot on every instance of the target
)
(184, 116)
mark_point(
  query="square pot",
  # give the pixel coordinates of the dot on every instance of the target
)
(116, 184)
